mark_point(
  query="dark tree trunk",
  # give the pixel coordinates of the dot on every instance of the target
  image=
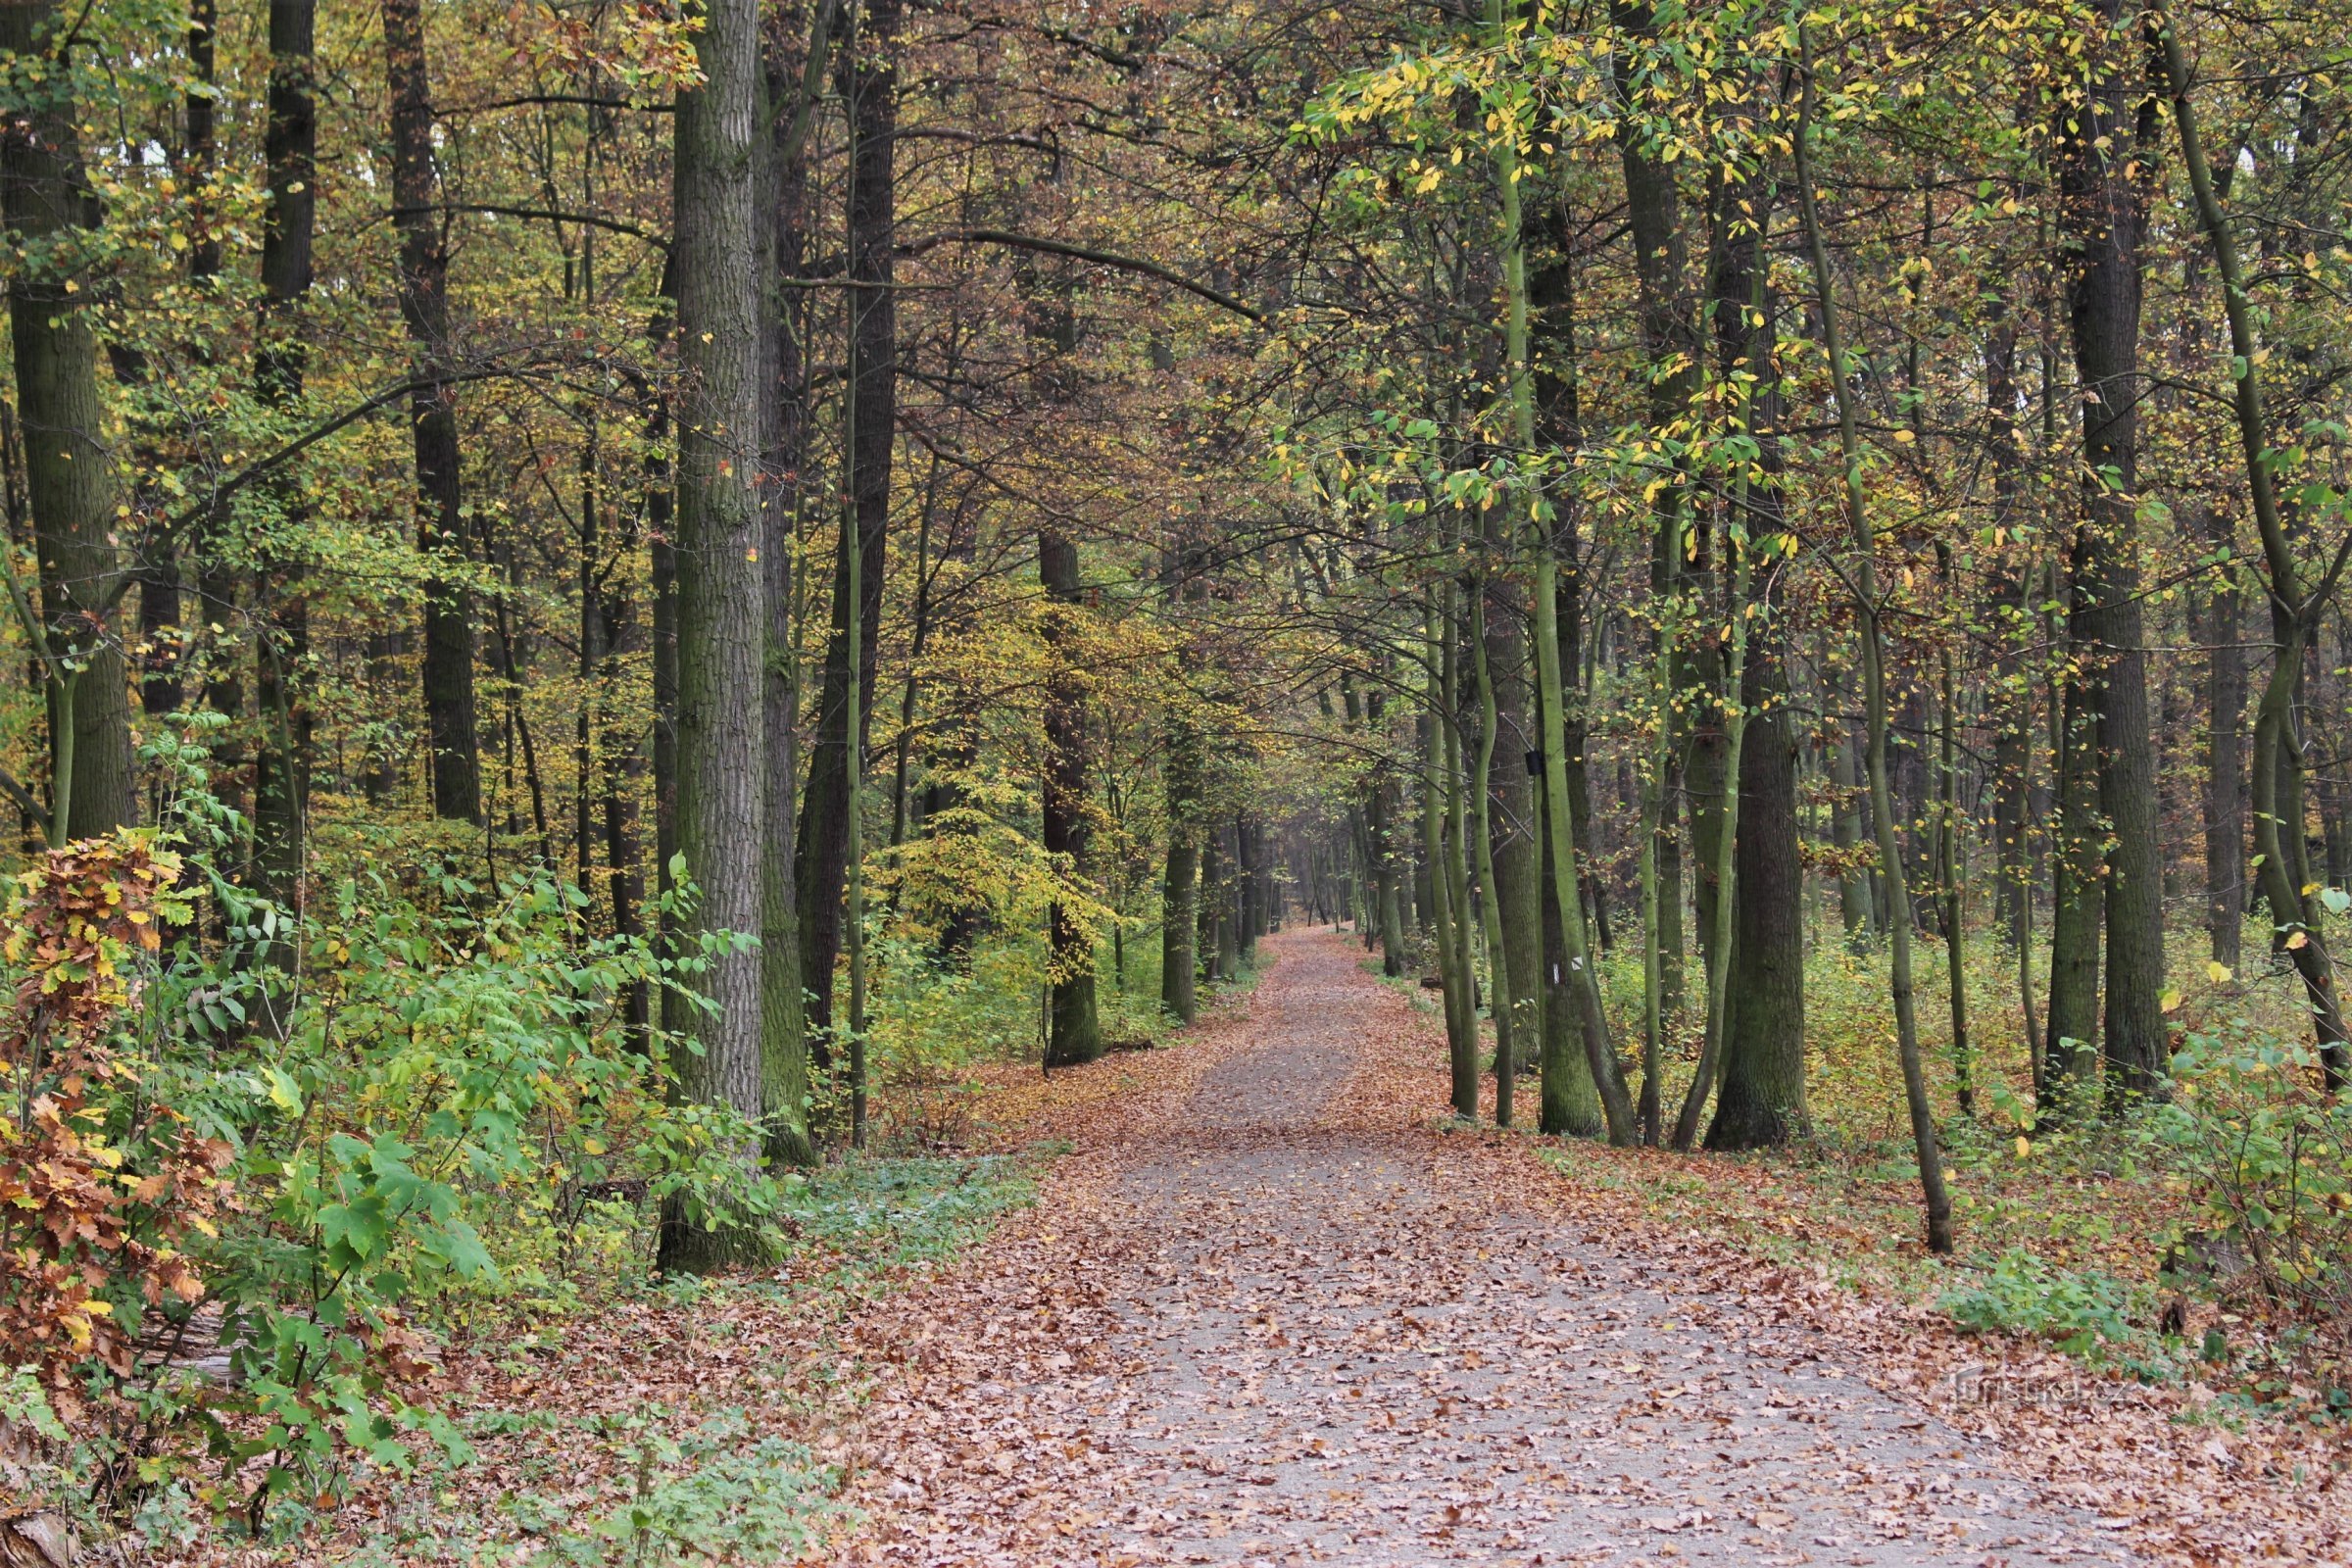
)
(785, 324)
(290, 149)
(1670, 342)
(69, 469)
(1180, 895)
(1076, 1030)
(868, 80)
(2103, 210)
(661, 564)
(1762, 1101)
(1510, 816)
(448, 663)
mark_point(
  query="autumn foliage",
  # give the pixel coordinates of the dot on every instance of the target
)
(99, 1184)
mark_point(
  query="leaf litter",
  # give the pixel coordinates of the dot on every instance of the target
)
(1270, 1309)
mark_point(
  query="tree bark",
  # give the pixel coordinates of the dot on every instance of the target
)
(1180, 896)
(1067, 827)
(69, 471)
(722, 592)
(282, 761)
(868, 79)
(2103, 209)
(448, 662)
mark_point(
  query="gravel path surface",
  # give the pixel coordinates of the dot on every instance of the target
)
(1271, 1326)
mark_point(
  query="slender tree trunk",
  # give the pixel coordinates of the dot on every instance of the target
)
(1948, 858)
(1482, 827)
(1180, 897)
(2294, 907)
(448, 666)
(1868, 607)
(721, 595)
(1077, 1031)
(868, 79)
(283, 761)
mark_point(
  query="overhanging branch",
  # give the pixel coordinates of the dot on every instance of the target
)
(1140, 265)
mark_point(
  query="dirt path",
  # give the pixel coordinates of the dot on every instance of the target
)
(1267, 1314)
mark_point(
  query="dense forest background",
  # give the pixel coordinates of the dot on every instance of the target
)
(608, 601)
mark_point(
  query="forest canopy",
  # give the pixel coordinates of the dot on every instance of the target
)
(608, 601)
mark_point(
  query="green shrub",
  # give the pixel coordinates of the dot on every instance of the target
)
(2269, 1152)
(2020, 1294)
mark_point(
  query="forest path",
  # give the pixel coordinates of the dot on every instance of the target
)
(1269, 1313)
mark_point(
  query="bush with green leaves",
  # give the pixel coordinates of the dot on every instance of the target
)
(2081, 1313)
(2269, 1149)
(429, 1103)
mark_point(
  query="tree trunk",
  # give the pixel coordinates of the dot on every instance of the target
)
(282, 761)
(722, 594)
(67, 466)
(868, 79)
(784, 420)
(2103, 211)
(448, 664)
(1067, 832)
(1180, 897)
(1936, 1197)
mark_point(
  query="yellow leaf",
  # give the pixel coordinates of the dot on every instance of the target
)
(2301, 938)
(2220, 973)
(2170, 1002)
(2025, 1147)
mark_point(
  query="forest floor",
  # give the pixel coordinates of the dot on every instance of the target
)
(1270, 1309)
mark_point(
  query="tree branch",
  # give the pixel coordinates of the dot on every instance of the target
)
(1086, 253)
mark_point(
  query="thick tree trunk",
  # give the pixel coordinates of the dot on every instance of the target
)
(2103, 213)
(721, 595)
(1762, 1101)
(2077, 912)
(1511, 819)
(1762, 1025)
(69, 469)
(448, 666)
